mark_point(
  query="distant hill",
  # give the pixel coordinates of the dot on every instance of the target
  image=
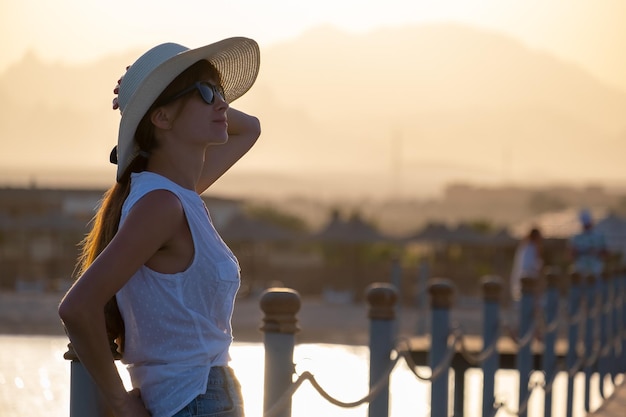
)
(402, 110)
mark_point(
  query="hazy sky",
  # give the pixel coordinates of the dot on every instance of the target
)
(591, 33)
(588, 33)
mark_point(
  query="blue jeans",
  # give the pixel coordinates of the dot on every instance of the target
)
(222, 397)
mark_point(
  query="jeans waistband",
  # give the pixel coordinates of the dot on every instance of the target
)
(226, 373)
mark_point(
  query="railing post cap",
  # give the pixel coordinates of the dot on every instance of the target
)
(382, 298)
(441, 291)
(492, 287)
(71, 355)
(575, 277)
(529, 284)
(280, 306)
(553, 276)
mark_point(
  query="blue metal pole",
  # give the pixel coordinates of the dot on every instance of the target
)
(524, 354)
(622, 291)
(605, 326)
(616, 325)
(396, 282)
(382, 299)
(85, 397)
(492, 291)
(549, 356)
(573, 309)
(590, 327)
(280, 306)
(422, 296)
(441, 300)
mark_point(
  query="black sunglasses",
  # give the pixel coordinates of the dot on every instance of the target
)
(206, 89)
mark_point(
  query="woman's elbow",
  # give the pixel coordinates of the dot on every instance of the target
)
(73, 311)
(255, 127)
(67, 310)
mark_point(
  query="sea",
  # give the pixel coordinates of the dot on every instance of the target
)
(35, 381)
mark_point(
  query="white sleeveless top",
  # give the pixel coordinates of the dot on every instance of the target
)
(178, 325)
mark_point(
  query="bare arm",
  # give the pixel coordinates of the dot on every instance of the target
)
(148, 227)
(243, 131)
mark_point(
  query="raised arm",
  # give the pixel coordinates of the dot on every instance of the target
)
(243, 131)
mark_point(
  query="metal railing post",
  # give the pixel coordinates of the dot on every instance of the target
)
(382, 299)
(422, 297)
(441, 300)
(622, 323)
(492, 292)
(85, 397)
(280, 325)
(396, 282)
(622, 291)
(605, 329)
(616, 321)
(548, 364)
(590, 333)
(524, 354)
(573, 311)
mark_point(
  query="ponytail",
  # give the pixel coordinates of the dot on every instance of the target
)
(104, 227)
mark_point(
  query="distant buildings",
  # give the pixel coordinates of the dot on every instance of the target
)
(40, 230)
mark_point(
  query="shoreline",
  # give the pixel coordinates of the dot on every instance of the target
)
(318, 321)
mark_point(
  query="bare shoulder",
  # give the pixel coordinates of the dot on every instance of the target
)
(160, 200)
(158, 208)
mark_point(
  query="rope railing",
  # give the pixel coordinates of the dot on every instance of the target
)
(413, 367)
(477, 359)
(523, 406)
(457, 338)
(552, 327)
(443, 365)
(577, 319)
(577, 367)
(307, 376)
(405, 354)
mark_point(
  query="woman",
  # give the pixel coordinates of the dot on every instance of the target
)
(153, 254)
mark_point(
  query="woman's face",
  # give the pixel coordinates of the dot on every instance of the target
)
(198, 121)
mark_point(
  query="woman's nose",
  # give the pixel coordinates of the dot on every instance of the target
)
(220, 103)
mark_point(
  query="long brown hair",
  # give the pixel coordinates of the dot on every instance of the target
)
(106, 221)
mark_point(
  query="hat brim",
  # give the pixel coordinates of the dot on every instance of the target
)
(236, 59)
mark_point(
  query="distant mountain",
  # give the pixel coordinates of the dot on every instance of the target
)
(401, 110)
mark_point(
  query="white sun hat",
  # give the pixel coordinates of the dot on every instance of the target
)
(236, 59)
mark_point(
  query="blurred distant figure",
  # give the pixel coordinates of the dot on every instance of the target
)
(588, 248)
(527, 262)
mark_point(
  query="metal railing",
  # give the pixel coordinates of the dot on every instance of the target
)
(591, 338)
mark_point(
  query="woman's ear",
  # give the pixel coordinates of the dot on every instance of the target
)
(161, 118)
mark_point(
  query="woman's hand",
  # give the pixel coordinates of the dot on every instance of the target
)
(133, 406)
(243, 131)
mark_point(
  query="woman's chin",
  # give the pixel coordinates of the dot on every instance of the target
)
(218, 141)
